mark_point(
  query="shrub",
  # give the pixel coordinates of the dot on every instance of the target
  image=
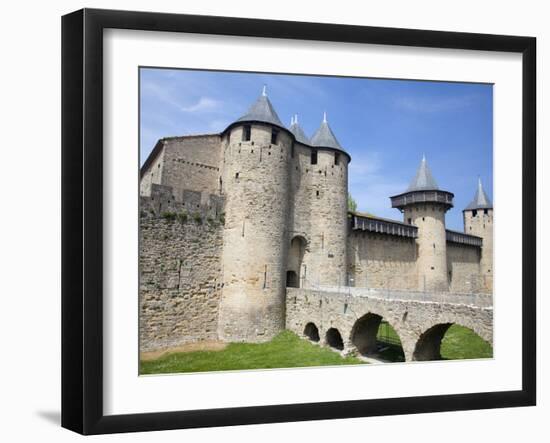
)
(170, 216)
(197, 217)
(182, 217)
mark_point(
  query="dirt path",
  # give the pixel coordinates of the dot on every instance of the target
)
(189, 347)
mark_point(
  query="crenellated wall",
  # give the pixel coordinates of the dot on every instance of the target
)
(180, 276)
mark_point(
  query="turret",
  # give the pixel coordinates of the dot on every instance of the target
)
(478, 220)
(327, 180)
(255, 181)
(298, 132)
(424, 205)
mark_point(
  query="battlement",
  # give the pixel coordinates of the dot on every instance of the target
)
(194, 204)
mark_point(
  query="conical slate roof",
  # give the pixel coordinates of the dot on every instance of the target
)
(298, 132)
(480, 201)
(262, 111)
(324, 137)
(424, 180)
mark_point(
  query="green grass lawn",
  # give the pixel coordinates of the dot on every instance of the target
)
(463, 343)
(286, 350)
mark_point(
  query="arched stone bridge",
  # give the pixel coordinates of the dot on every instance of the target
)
(348, 318)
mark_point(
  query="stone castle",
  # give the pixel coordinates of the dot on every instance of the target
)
(230, 222)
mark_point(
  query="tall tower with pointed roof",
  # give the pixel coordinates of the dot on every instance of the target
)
(256, 152)
(424, 205)
(478, 220)
(326, 181)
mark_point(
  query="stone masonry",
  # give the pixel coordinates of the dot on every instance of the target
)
(356, 315)
(231, 224)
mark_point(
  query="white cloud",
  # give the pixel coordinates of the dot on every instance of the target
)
(168, 95)
(432, 105)
(203, 104)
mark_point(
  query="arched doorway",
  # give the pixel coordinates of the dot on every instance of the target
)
(312, 332)
(450, 341)
(373, 336)
(296, 252)
(334, 339)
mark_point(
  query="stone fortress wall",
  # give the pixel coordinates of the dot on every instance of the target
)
(229, 221)
(378, 260)
(180, 245)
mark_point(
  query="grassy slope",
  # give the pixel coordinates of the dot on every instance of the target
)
(461, 343)
(286, 350)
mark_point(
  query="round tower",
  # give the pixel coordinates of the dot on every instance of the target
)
(478, 220)
(424, 205)
(255, 183)
(327, 180)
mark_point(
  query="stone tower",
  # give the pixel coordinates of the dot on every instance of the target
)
(424, 205)
(328, 179)
(478, 220)
(256, 151)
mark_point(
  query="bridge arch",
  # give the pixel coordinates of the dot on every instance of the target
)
(312, 332)
(428, 346)
(334, 339)
(367, 339)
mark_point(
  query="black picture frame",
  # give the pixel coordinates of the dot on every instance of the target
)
(82, 218)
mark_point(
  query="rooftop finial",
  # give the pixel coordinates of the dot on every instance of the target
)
(423, 157)
(325, 117)
(296, 118)
(264, 91)
(479, 185)
(291, 120)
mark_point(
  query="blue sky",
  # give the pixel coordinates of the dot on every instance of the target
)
(385, 125)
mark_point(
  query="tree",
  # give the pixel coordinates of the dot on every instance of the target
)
(352, 204)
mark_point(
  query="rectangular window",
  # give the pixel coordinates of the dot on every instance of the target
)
(313, 157)
(474, 213)
(274, 136)
(485, 211)
(410, 221)
(336, 158)
(246, 133)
